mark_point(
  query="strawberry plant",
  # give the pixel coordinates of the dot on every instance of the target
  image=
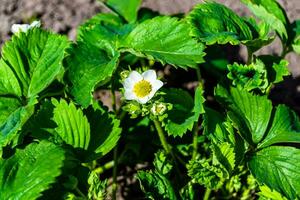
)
(224, 137)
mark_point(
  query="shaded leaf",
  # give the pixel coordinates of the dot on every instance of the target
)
(156, 185)
(185, 111)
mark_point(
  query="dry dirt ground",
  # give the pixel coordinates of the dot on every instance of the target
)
(63, 16)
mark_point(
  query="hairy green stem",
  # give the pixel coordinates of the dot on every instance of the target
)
(207, 194)
(104, 167)
(115, 185)
(162, 136)
(195, 140)
(80, 193)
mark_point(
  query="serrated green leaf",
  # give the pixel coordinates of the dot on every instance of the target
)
(224, 154)
(271, 13)
(162, 162)
(9, 84)
(35, 58)
(267, 194)
(250, 113)
(30, 171)
(187, 192)
(205, 173)
(249, 77)
(156, 185)
(88, 66)
(276, 66)
(164, 39)
(278, 168)
(215, 23)
(72, 126)
(106, 131)
(283, 128)
(127, 9)
(185, 111)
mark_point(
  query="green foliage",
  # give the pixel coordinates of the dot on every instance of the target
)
(205, 173)
(250, 113)
(249, 77)
(156, 185)
(88, 66)
(267, 193)
(178, 48)
(35, 58)
(284, 129)
(127, 9)
(105, 131)
(215, 23)
(184, 113)
(56, 135)
(30, 62)
(162, 163)
(278, 163)
(72, 126)
(30, 171)
(271, 13)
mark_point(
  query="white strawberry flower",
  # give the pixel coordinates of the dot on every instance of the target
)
(141, 87)
(24, 27)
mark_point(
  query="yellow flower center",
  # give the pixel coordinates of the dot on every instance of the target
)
(142, 88)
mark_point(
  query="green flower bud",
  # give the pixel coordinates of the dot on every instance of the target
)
(158, 108)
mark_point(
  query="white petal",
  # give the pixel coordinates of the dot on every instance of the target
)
(135, 76)
(129, 95)
(128, 84)
(156, 85)
(149, 75)
(35, 24)
(19, 27)
(143, 100)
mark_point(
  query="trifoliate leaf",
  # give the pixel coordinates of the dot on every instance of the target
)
(267, 194)
(127, 9)
(35, 58)
(250, 113)
(184, 113)
(156, 185)
(30, 171)
(72, 126)
(283, 129)
(106, 131)
(205, 173)
(271, 13)
(278, 167)
(88, 66)
(215, 23)
(165, 39)
(249, 77)
(162, 162)
(30, 62)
